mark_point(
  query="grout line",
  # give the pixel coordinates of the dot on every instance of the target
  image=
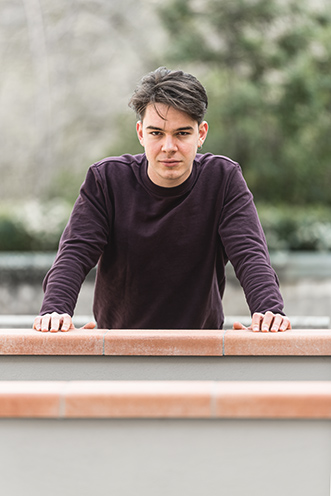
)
(213, 396)
(104, 342)
(223, 343)
(62, 401)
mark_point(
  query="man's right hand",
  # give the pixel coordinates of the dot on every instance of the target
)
(55, 322)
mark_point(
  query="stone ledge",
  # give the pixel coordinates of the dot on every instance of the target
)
(298, 342)
(164, 342)
(313, 342)
(165, 399)
(30, 342)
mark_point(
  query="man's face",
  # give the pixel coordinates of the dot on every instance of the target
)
(170, 143)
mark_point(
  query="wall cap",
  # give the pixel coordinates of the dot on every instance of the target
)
(298, 342)
(166, 399)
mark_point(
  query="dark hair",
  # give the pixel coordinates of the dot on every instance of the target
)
(176, 89)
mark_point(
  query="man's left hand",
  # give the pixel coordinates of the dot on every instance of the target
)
(266, 322)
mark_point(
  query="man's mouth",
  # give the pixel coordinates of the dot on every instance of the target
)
(170, 163)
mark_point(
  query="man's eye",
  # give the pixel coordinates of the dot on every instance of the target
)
(183, 133)
(155, 133)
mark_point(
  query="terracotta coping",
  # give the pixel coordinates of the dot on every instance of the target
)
(316, 342)
(165, 399)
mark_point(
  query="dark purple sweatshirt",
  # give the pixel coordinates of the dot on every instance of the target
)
(161, 252)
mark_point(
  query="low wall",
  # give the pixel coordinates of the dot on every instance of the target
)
(165, 355)
(166, 399)
(165, 438)
(165, 412)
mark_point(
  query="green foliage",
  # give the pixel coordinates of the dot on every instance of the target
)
(66, 183)
(126, 136)
(12, 236)
(266, 65)
(33, 226)
(296, 228)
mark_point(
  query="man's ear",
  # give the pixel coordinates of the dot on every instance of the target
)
(203, 130)
(139, 129)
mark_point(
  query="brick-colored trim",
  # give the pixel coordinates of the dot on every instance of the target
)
(165, 342)
(30, 342)
(316, 342)
(166, 399)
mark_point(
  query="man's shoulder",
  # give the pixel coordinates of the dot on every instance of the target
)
(110, 164)
(217, 163)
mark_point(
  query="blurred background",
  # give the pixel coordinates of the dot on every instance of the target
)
(68, 69)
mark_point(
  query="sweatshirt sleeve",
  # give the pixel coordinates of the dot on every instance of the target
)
(81, 245)
(244, 242)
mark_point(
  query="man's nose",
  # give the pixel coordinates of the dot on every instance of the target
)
(169, 144)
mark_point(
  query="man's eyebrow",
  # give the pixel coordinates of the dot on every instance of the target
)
(154, 127)
(185, 128)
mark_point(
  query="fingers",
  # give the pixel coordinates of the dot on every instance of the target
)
(239, 326)
(270, 322)
(67, 323)
(53, 322)
(285, 325)
(267, 322)
(90, 325)
(256, 322)
(277, 323)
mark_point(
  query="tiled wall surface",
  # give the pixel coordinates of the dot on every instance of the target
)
(165, 399)
(316, 342)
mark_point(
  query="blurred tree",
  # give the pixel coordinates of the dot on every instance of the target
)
(266, 65)
(67, 71)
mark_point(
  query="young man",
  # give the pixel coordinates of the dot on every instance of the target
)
(161, 226)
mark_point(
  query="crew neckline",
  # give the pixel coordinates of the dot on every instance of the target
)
(161, 190)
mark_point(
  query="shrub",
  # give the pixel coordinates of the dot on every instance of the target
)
(33, 226)
(296, 228)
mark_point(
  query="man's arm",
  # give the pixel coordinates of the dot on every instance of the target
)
(244, 243)
(81, 245)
